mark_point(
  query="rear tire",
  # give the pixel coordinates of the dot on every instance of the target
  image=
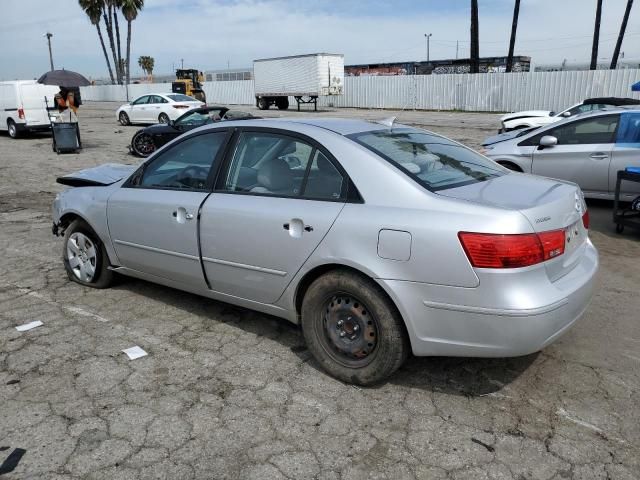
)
(84, 256)
(352, 328)
(163, 118)
(263, 103)
(282, 103)
(123, 118)
(12, 129)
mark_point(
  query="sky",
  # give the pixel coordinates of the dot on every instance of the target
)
(214, 34)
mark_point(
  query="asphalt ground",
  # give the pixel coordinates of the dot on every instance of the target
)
(229, 393)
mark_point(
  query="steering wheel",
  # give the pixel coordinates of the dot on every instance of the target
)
(193, 176)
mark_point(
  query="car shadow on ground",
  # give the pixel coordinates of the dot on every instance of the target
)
(468, 377)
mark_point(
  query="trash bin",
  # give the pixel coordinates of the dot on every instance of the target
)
(66, 137)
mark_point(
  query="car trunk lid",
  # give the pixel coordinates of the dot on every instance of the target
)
(546, 203)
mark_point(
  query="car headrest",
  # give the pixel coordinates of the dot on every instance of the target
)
(274, 174)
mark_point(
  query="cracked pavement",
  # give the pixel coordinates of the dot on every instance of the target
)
(227, 393)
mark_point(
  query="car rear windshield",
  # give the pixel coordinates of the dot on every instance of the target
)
(178, 97)
(434, 162)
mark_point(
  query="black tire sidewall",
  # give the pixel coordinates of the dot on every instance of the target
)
(133, 145)
(393, 345)
(124, 119)
(11, 126)
(104, 276)
(162, 116)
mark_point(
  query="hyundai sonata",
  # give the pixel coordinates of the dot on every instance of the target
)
(378, 239)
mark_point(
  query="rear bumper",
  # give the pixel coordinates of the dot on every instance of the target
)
(511, 317)
(33, 127)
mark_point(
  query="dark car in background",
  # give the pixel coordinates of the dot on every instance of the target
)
(149, 139)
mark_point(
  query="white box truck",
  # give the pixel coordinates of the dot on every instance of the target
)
(303, 77)
(22, 106)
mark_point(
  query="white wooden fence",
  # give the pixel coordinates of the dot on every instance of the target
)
(490, 92)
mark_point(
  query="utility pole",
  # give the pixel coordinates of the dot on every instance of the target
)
(623, 27)
(512, 41)
(427, 36)
(182, 63)
(49, 35)
(475, 39)
(596, 36)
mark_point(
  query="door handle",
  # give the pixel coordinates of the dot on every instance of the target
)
(599, 155)
(307, 228)
(181, 215)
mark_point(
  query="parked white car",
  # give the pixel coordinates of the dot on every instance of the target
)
(540, 118)
(23, 108)
(156, 108)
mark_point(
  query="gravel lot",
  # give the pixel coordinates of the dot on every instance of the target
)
(229, 393)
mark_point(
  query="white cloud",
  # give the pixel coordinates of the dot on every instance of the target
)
(207, 34)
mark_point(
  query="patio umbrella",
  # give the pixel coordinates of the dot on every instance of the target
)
(64, 78)
(635, 87)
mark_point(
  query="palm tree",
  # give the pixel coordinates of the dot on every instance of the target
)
(475, 51)
(623, 27)
(107, 15)
(146, 63)
(94, 9)
(596, 36)
(512, 41)
(130, 10)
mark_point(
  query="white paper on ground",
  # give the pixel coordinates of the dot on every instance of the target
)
(135, 352)
(29, 326)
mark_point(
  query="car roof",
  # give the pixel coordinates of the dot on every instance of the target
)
(342, 126)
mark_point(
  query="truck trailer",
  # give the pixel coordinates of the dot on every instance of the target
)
(303, 77)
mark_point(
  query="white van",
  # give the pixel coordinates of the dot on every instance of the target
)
(22, 106)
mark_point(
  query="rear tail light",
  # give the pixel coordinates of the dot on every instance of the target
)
(181, 106)
(585, 219)
(21, 113)
(488, 250)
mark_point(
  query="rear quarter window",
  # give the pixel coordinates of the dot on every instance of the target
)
(629, 129)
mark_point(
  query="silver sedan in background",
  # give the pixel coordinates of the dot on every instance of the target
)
(378, 239)
(587, 149)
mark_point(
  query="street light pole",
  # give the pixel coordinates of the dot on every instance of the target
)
(427, 36)
(49, 35)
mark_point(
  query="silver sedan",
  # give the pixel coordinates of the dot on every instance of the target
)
(588, 149)
(378, 239)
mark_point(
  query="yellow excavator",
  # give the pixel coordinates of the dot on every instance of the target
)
(189, 82)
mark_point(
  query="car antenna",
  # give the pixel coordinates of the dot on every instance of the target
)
(387, 122)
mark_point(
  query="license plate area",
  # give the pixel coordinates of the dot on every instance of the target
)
(573, 236)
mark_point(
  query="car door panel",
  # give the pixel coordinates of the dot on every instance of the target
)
(137, 111)
(583, 152)
(153, 219)
(252, 246)
(586, 165)
(151, 232)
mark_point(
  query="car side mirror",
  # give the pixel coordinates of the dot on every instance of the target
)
(566, 114)
(548, 141)
(172, 123)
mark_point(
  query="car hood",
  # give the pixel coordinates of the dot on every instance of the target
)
(103, 175)
(526, 114)
(502, 137)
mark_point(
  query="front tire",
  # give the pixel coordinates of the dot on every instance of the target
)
(282, 103)
(123, 118)
(84, 256)
(352, 328)
(142, 144)
(12, 129)
(263, 103)
(163, 118)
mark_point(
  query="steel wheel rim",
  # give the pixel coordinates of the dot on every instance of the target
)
(348, 331)
(124, 118)
(164, 118)
(143, 144)
(82, 256)
(12, 130)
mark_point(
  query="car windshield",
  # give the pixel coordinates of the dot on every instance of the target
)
(178, 97)
(199, 118)
(434, 162)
